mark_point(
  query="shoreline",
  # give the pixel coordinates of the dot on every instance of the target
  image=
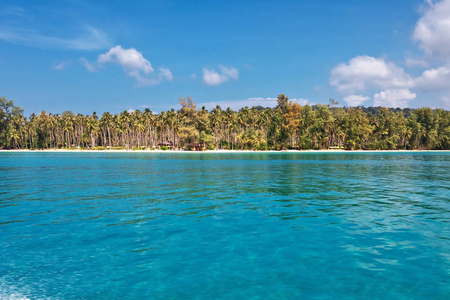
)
(217, 151)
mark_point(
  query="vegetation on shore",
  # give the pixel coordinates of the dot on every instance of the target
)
(287, 126)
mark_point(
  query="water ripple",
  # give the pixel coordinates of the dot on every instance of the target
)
(231, 226)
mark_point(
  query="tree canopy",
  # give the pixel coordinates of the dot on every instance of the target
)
(286, 126)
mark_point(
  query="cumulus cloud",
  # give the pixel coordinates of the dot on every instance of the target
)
(355, 100)
(433, 30)
(435, 79)
(393, 98)
(90, 67)
(250, 102)
(62, 65)
(135, 65)
(364, 72)
(212, 77)
(131, 59)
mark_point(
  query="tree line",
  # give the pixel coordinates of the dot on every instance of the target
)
(286, 126)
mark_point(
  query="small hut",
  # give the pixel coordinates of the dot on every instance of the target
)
(167, 144)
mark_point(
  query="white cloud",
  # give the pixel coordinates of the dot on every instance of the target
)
(436, 79)
(355, 100)
(90, 67)
(91, 39)
(249, 102)
(62, 65)
(135, 65)
(393, 98)
(433, 30)
(131, 59)
(211, 77)
(364, 72)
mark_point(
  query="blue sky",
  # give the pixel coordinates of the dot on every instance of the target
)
(119, 55)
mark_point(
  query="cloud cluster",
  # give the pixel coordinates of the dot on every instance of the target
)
(212, 77)
(363, 74)
(393, 97)
(133, 63)
(435, 79)
(433, 30)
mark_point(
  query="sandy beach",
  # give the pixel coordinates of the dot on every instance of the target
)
(221, 151)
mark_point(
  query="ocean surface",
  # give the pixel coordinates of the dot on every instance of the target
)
(225, 226)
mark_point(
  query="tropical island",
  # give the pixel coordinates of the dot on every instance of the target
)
(286, 126)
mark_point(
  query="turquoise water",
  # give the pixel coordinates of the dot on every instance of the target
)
(224, 226)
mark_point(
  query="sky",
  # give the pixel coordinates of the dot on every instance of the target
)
(100, 56)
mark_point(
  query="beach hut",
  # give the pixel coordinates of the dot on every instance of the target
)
(167, 144)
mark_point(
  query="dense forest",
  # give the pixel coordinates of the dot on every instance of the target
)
(287, 126)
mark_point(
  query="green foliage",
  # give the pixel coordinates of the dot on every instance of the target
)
(11, 124)
(188, 135)
(205, 138)
(287, 126)
(164, 148)
(99, 148)
(262, 146)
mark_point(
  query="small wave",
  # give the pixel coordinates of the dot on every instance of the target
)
(11, 293)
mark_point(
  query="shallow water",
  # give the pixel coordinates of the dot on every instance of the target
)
(224, 226)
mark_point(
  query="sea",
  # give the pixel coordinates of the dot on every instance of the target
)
(346, 225)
